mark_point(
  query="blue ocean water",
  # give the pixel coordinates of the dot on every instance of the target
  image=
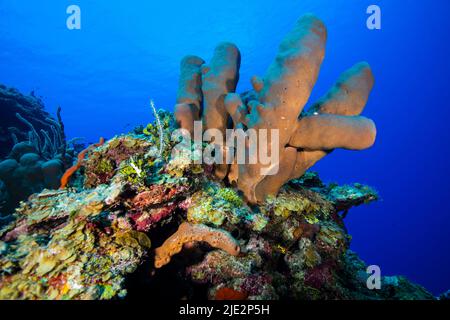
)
(129, 51)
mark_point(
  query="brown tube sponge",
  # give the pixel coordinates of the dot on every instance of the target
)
(283, 92)
(188, 233)
(292, 75)
(190, 82)
(277, 102)
(329, 131)
(189, 94)
(347, 97)
(305, 160)
(185, 115)
(271, 184)
(238, 113)
(350, 93)
(236, 109)
(219, 78)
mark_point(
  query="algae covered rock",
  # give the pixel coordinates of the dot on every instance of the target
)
(65, 246)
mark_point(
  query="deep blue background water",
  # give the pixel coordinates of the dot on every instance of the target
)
(128, 52)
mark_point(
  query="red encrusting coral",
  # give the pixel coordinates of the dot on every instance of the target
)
(68, 174)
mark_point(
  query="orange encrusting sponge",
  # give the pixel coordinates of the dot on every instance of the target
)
(188, 233)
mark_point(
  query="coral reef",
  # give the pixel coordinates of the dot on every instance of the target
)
(25, 173)
(277, 102)
(36, 151)
(12, 128)
(138, 217)
(66, 248)
(179, 222)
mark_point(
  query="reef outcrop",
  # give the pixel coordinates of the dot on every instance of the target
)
(130, 222)
(277, 102)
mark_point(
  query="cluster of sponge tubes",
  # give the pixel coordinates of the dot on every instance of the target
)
(207, 93)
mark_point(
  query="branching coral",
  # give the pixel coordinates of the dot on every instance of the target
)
(277, 102)
(188, 233)
(52, 142)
